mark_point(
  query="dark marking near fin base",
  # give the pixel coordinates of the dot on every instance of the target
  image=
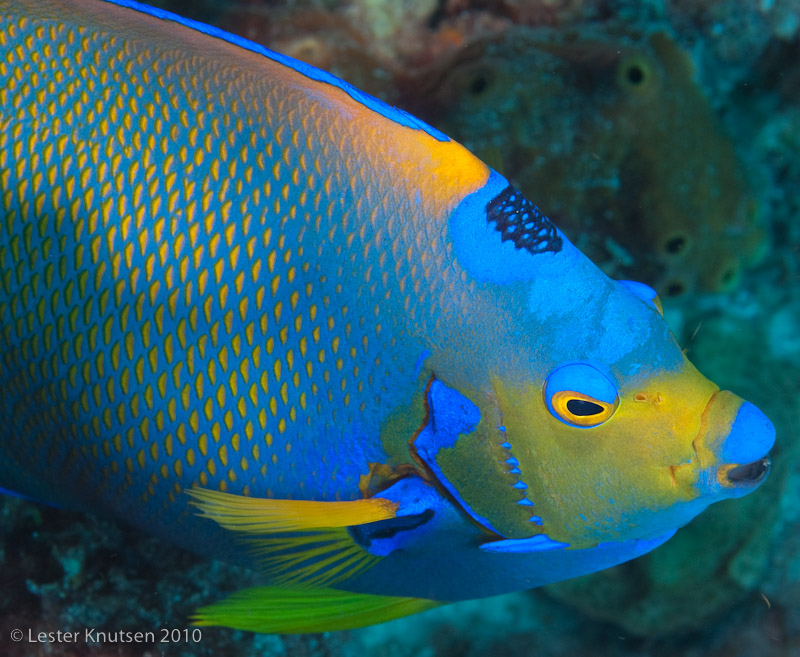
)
(521, 222)
(364, 535)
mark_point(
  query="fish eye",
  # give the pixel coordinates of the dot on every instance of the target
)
(580, 395)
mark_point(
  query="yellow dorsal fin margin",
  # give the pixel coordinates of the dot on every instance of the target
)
(271, 609)
(256, 515)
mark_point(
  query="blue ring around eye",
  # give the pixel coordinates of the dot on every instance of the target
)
(582, 378)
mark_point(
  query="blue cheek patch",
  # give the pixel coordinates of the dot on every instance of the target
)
(450, 414)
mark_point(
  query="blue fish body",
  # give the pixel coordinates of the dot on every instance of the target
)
(242, 299)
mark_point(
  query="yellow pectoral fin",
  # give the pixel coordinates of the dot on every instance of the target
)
(254, 515)
(300, 543)
(272, 609)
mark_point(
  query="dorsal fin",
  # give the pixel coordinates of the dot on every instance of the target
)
(395, 114)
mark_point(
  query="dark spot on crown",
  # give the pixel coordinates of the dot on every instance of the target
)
(520, 222)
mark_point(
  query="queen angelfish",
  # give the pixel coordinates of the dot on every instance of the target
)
(257, 312)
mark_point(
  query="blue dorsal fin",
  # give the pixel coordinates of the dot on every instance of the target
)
(395, 114)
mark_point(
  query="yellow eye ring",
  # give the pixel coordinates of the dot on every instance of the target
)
(582, 410)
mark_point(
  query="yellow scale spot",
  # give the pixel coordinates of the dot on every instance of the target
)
(194, 421)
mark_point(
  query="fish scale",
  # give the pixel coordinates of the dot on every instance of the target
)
(187, 337)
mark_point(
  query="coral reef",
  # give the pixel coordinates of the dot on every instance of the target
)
(595, 108)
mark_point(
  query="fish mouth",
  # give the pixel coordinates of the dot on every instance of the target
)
(748, 474)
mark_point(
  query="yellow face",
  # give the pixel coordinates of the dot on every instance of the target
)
(585, 461)
(612, 481)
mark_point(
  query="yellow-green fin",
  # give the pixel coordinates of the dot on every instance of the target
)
(297, 543)
(271, 609)
(257, 515)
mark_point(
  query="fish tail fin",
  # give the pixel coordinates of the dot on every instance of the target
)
(272, 609)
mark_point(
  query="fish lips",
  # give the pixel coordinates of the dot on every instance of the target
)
(746, 475)
(752, 435)
(736, 444)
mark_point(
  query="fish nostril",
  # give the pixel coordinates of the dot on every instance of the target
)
(749, 473)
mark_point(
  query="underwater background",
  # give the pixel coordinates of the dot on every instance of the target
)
(664, 138)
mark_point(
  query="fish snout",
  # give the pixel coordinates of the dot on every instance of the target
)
(739, 437)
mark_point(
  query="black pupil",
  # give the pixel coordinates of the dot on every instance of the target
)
(583, 408)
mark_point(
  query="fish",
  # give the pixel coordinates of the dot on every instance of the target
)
(263, 315)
